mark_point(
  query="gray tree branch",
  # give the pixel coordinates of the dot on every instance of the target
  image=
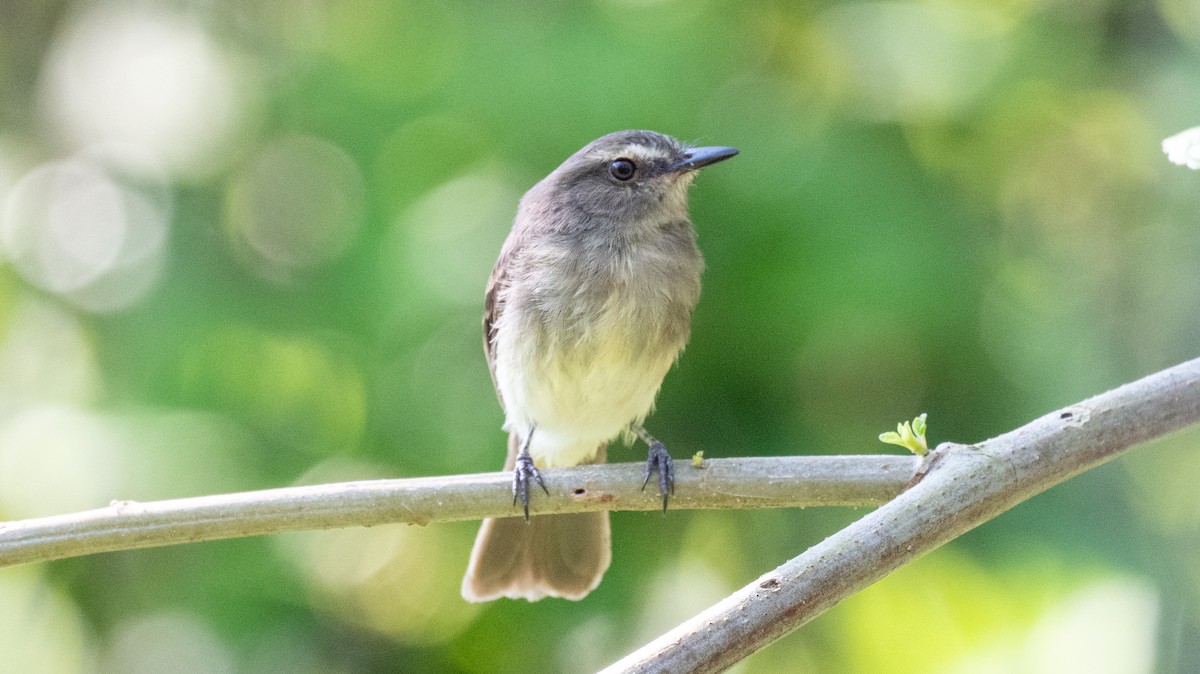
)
(965, 487)
(776, 482)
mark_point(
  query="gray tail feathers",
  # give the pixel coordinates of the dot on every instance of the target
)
(548, 556)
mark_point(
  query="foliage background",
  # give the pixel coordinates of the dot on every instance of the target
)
(245, 246)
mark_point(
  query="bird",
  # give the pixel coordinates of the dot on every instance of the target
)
(587, 308)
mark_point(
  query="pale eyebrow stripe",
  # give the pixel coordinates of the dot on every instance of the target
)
(634, 150)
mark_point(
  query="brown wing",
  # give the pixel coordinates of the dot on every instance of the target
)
(493, 305)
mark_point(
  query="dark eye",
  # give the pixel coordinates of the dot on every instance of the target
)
(621, 169)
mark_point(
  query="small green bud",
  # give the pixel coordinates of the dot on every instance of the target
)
(910, 435)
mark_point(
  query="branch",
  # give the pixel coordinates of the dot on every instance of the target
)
(776, 482)
(966, 486)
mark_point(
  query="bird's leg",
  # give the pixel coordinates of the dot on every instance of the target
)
(659, 462)
(523, 472)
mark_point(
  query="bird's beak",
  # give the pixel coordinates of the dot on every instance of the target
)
(699, 157)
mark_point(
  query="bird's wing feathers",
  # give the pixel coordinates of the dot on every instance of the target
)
(493, 304)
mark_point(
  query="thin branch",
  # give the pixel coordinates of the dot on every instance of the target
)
(777, 482)
(966, 486)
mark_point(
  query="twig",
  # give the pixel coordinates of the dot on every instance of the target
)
(967, 486)
(778, 482)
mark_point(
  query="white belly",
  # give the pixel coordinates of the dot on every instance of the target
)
(581, 395)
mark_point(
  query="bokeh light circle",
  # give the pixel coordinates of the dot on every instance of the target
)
(152, 80)
(297, 205)
(78, 230)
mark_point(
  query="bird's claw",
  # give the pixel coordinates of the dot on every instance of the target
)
(660, 462)
(523, 472)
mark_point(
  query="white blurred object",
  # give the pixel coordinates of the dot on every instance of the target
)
(1184, 148)
(46, 357)
(79, 230)
(154, 81)
(168, 641)
(1109, 627)
(56, 459)
(444, 243)
(905, 61)
(41, 630)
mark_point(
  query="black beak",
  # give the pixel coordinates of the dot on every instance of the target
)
(699, 157)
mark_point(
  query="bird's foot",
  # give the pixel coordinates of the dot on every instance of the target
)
(660, 462)
(523, 473)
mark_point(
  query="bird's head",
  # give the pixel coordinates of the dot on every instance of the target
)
(628, 176)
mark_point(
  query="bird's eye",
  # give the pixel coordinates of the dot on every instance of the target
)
(621, 169)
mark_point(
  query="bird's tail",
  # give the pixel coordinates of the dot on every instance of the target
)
(548, 556)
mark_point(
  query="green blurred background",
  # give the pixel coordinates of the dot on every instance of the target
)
(245, 247)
